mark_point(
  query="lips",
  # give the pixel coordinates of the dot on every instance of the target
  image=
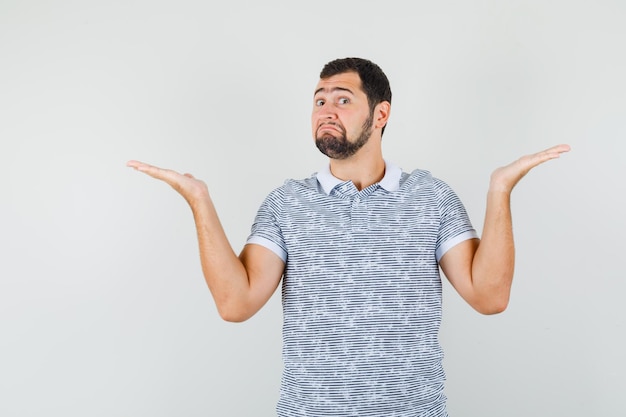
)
(330, 127)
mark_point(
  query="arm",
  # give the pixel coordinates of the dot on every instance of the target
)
(482, 270)
(240, 285)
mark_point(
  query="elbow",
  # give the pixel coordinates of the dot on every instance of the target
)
(233, 314)
(491, 310)
(233, 318)
(492, 306)
(231, 308)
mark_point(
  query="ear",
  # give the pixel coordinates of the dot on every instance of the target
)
(381, 114)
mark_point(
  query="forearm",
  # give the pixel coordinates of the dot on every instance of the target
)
(223, 271)
(482, 272)
(240, 285)
(494, 260)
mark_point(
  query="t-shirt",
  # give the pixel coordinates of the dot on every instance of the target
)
(361, 291)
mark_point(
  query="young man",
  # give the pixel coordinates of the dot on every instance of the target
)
(358, 247)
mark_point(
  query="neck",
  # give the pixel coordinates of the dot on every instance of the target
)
(365, 168)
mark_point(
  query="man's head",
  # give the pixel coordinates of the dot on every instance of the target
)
(351, 101)
(374, 82)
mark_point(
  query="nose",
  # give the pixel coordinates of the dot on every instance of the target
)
(326, 111)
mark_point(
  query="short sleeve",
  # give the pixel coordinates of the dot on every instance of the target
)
(266, 230)
(455, 226)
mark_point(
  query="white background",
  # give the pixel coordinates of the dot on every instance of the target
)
(103, 308)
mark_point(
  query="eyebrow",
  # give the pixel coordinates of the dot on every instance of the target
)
(322, 89)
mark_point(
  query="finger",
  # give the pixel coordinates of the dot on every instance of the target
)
(166, 175)
(134, 164)
(559, 149)
(564, 147)
(531, 161)
(140, 166)
(556, 151)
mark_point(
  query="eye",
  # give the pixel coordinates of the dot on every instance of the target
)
(343, 100)
(319, 102)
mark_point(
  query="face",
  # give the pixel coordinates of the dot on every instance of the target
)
(341, 120)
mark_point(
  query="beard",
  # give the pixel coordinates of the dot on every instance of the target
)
(340, 147)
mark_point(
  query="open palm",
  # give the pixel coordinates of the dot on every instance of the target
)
(191, 188)
(506, 177)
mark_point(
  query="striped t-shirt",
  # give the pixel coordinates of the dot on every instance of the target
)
(361, 291)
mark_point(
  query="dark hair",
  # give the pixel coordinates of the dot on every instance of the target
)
(373, 80)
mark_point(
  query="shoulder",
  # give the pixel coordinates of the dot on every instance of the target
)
(422, 176)
(307, 188)
(418, 178)
(291, 187)
(421, 182)
(301, 184)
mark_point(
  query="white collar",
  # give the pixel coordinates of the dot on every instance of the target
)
(390, 182)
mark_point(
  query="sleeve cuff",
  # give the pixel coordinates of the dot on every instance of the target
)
(266, 243)
(450, 243)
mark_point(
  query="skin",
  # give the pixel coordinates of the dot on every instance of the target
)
(339, 100)
(329, 132)
(481, 270)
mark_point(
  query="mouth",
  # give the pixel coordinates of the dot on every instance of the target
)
(329, 127)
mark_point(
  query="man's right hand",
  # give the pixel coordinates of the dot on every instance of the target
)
(191, 188)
